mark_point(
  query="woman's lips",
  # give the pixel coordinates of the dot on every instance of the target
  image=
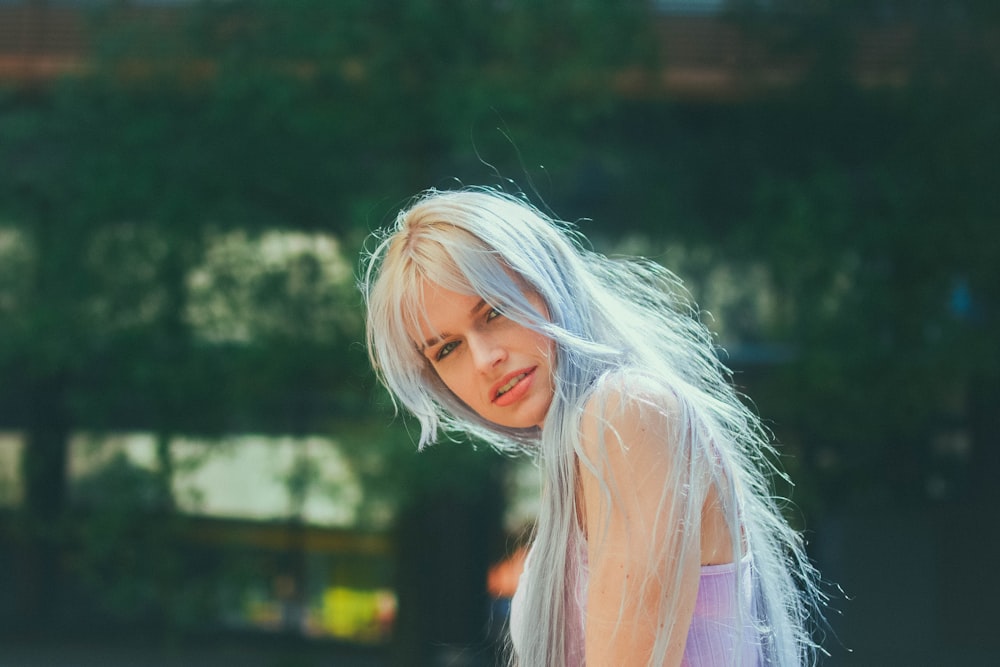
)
(517, 391)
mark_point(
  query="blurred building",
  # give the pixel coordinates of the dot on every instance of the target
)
(707, 52)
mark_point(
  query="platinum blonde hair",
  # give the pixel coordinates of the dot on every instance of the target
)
(621, 328)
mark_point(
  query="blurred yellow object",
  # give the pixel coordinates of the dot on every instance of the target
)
(359, 615)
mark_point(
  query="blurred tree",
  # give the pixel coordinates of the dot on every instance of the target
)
(200, 131)
(870, 205)
(877, 230)
(145, 203)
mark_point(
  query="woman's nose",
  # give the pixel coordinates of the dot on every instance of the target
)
(486, 352)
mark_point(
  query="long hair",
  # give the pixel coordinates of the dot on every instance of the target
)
(623, 325)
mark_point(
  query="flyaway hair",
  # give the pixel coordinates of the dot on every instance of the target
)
(628, 342)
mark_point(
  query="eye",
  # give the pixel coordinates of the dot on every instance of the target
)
(445, 350)
(493, 313)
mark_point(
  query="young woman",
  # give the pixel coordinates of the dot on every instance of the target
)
(658, 541)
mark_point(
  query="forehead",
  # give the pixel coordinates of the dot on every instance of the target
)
(435, 310)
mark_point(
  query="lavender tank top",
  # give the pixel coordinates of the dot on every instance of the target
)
(716, 637)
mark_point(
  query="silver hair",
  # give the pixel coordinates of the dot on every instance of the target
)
(623, 325)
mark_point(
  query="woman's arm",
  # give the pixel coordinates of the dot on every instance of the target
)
(629, 520)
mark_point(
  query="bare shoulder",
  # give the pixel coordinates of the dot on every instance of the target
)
(629, 470)
(628, 408)
(632, 501)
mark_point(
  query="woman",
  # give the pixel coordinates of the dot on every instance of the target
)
(658, 541)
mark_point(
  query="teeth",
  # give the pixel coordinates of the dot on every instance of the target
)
(510, 385)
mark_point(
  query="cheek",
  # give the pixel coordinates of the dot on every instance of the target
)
(452, 378)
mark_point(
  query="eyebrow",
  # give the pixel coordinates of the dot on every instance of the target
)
(434, 340)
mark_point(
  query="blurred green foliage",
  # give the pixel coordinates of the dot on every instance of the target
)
(197, 133)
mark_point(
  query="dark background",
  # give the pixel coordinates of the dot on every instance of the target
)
(823, 175)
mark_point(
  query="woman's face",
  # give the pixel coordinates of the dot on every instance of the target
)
(497, 367)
